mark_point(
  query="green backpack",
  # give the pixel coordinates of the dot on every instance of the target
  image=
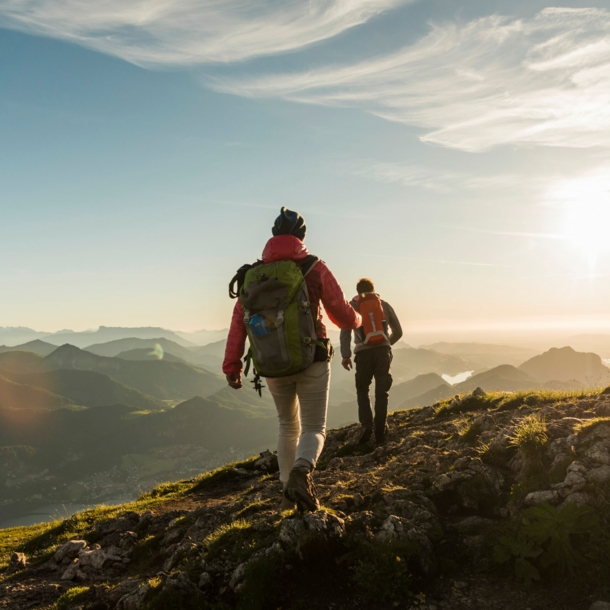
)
(279, 319)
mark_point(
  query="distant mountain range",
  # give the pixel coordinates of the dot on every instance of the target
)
(484, 355)
(162, 380)
(12, 336)
(80, 410)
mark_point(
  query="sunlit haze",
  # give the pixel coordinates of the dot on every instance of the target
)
(455, 153)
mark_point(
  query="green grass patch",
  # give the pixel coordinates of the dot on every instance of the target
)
(222, 474)
(254, 508)
(237, 540)
(500, 401)
(530, 436)
(470, 432)
(590, 425)
(70, 598)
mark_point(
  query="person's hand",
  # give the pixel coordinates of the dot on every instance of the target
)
(234, 381)
(346, 363)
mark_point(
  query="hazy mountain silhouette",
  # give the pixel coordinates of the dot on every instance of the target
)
(14, 335)
(21, 362)
(85, 388)
(410, 362)
(108, 333)
(503, 378)
(210, 355)
(566, 364)
(203, 337)
(100, 436)
(160, 379)
(596, 343)
(417, 386)
(147, 354)
(111, 349)
(485, 355)
(428, 398)
(23, 396)
(42, 348)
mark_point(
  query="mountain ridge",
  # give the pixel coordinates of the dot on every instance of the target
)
(424, 518)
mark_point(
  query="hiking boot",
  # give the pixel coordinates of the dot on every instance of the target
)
(286, 504)
(381, 438)
(365, 435)
(301, 490)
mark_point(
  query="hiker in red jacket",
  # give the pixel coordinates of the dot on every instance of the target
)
(301, 399)
(373, 348)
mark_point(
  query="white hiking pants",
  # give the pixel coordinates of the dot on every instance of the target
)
(301, 401)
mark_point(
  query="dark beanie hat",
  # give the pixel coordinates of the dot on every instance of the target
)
(289, 223)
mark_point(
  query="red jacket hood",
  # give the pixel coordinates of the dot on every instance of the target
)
(284, 248)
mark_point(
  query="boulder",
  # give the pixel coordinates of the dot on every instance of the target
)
(599, 475)
(124, 588)
(578, 497)
(17, 562)
(134, 599)
(74, 572)
(395, 529)
(320, 527)
(69, 550)
(600, 605)
(598, 453)
(540, 497)
(574, 481)
(204, 580)
(267, 462)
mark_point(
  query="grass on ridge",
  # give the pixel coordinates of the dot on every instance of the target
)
(589, 425)
(497, 401)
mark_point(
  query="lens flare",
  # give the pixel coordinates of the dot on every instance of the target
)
(157, 352)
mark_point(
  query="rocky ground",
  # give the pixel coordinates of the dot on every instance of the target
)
(488, 501)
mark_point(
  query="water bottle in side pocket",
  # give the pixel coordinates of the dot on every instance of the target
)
(258, 326)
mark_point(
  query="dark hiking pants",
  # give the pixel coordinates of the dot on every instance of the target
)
(373, 363)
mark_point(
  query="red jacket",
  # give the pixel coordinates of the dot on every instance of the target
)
(321, 285)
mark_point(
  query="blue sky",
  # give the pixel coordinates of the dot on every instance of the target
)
(456, 153)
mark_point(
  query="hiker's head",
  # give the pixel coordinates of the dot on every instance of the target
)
(289, 223)
(365, 285)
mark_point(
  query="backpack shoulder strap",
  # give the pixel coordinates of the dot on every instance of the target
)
(308, 263)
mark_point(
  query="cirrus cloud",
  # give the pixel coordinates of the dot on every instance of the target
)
(471, 86)
(156, 33)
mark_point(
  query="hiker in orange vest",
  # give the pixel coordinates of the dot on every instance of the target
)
(373, 356)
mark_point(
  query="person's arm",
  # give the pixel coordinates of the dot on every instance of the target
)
(346, 343)
(339, 311)
(236, 344)
(394, 324)
(346, 349)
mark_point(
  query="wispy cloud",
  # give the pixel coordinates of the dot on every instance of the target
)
(185, 32)
(527, 234)
(472, 86)
(432, 179)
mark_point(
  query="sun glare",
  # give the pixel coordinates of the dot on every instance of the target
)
(586, 205)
